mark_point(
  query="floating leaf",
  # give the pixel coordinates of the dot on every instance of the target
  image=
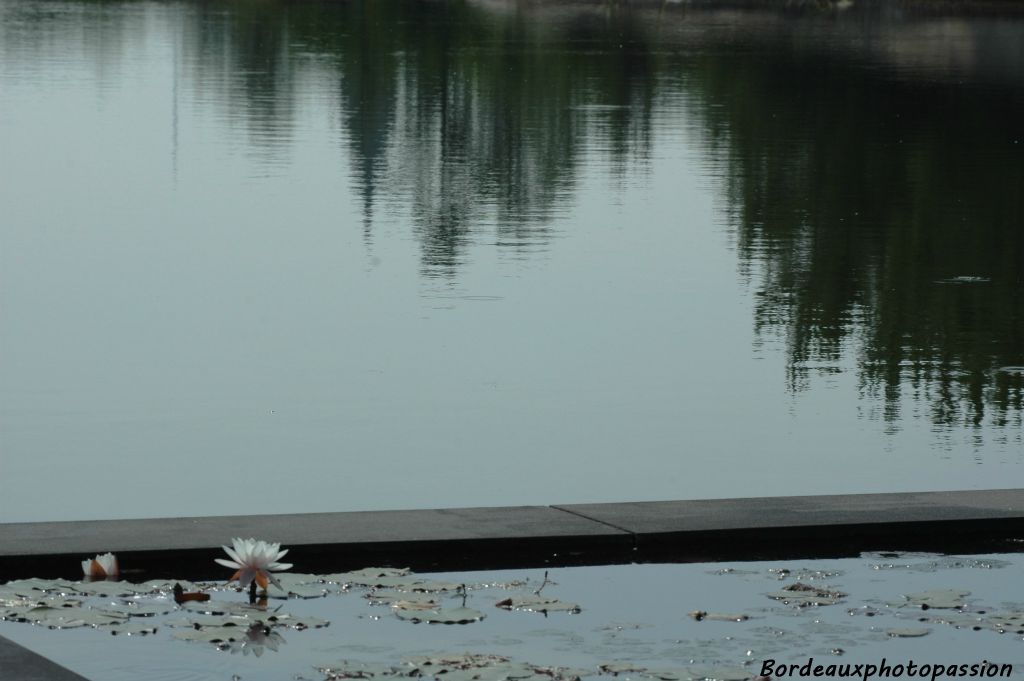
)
(31, 588)
(350, 669)
(414, 584)
(132, 629)
(803, 595)
(68, 617)
(134, 609)
(200, 621)
(427, 663)
(444, 616)
(616, 668)
(108, 589)
(299, 588)
(701, 615)
(212, 634)
(406, 601)
(937, 598)
(907, 632)
(539, 604)
(225, 608)
(364, 577)
(301, 623)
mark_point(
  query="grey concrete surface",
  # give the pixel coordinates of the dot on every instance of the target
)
(811, 511)
(18, 663)
(533, 536)
(352, 528)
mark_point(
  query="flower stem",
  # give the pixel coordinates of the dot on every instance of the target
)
(252, 592)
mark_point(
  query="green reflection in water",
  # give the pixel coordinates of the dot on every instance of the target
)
(869, 160)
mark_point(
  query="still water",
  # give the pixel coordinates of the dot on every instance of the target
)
(261, 257)
(638, 622)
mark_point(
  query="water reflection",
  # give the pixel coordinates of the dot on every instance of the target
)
(879, 215)
(868, 156)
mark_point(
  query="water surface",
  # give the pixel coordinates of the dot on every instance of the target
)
(317, 256)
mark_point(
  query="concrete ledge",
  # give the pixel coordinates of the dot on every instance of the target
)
(21, 664)
(531, 536)
(818, 526)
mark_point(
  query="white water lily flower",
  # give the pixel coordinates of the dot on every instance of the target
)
(254, 560)
(100, 567)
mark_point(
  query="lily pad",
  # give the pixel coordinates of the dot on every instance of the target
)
(406, 601)
(299, 586)
(907, 632)
(364, 577)
(937, 598)
(132, 629)
(475, 667)
(414, 584)
(443, 616)
(108, 589)
(68, 618)
(803, 595)
(539, 604)
(701, 615)
(212, 634)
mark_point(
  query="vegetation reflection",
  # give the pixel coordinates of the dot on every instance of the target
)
(874, 192)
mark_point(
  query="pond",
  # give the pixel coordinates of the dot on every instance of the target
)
(280, 257)
(671, 622)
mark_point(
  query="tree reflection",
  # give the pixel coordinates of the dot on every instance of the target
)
(875, 197)
(881, 216)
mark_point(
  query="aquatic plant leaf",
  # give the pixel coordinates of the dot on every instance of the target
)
(29, 588)
(937, 598)
(237, 608)
(539, 604)
(300, 623)
(132, 629)
(616, 668)
(143, 610)
(364, 577)
(109, 589)
(68, 617)
(11, 599)
(351, 669)
(802, 595)
(212, 634)
(297, 586)
(506, 671)
(443, 616)
(907, 632)
(200, 621)
(445, 661)
(701, 615)
(414, 584)
(404, 600)
(166, 586)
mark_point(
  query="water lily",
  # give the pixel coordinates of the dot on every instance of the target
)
(257, 637)
(254, 561)
(100, 567)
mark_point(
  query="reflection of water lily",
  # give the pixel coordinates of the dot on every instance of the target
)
(254, 560)
(257, 637)
(100, 567)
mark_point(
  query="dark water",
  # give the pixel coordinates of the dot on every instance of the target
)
(299, 256)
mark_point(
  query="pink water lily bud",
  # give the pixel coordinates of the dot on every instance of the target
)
(102, 566)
